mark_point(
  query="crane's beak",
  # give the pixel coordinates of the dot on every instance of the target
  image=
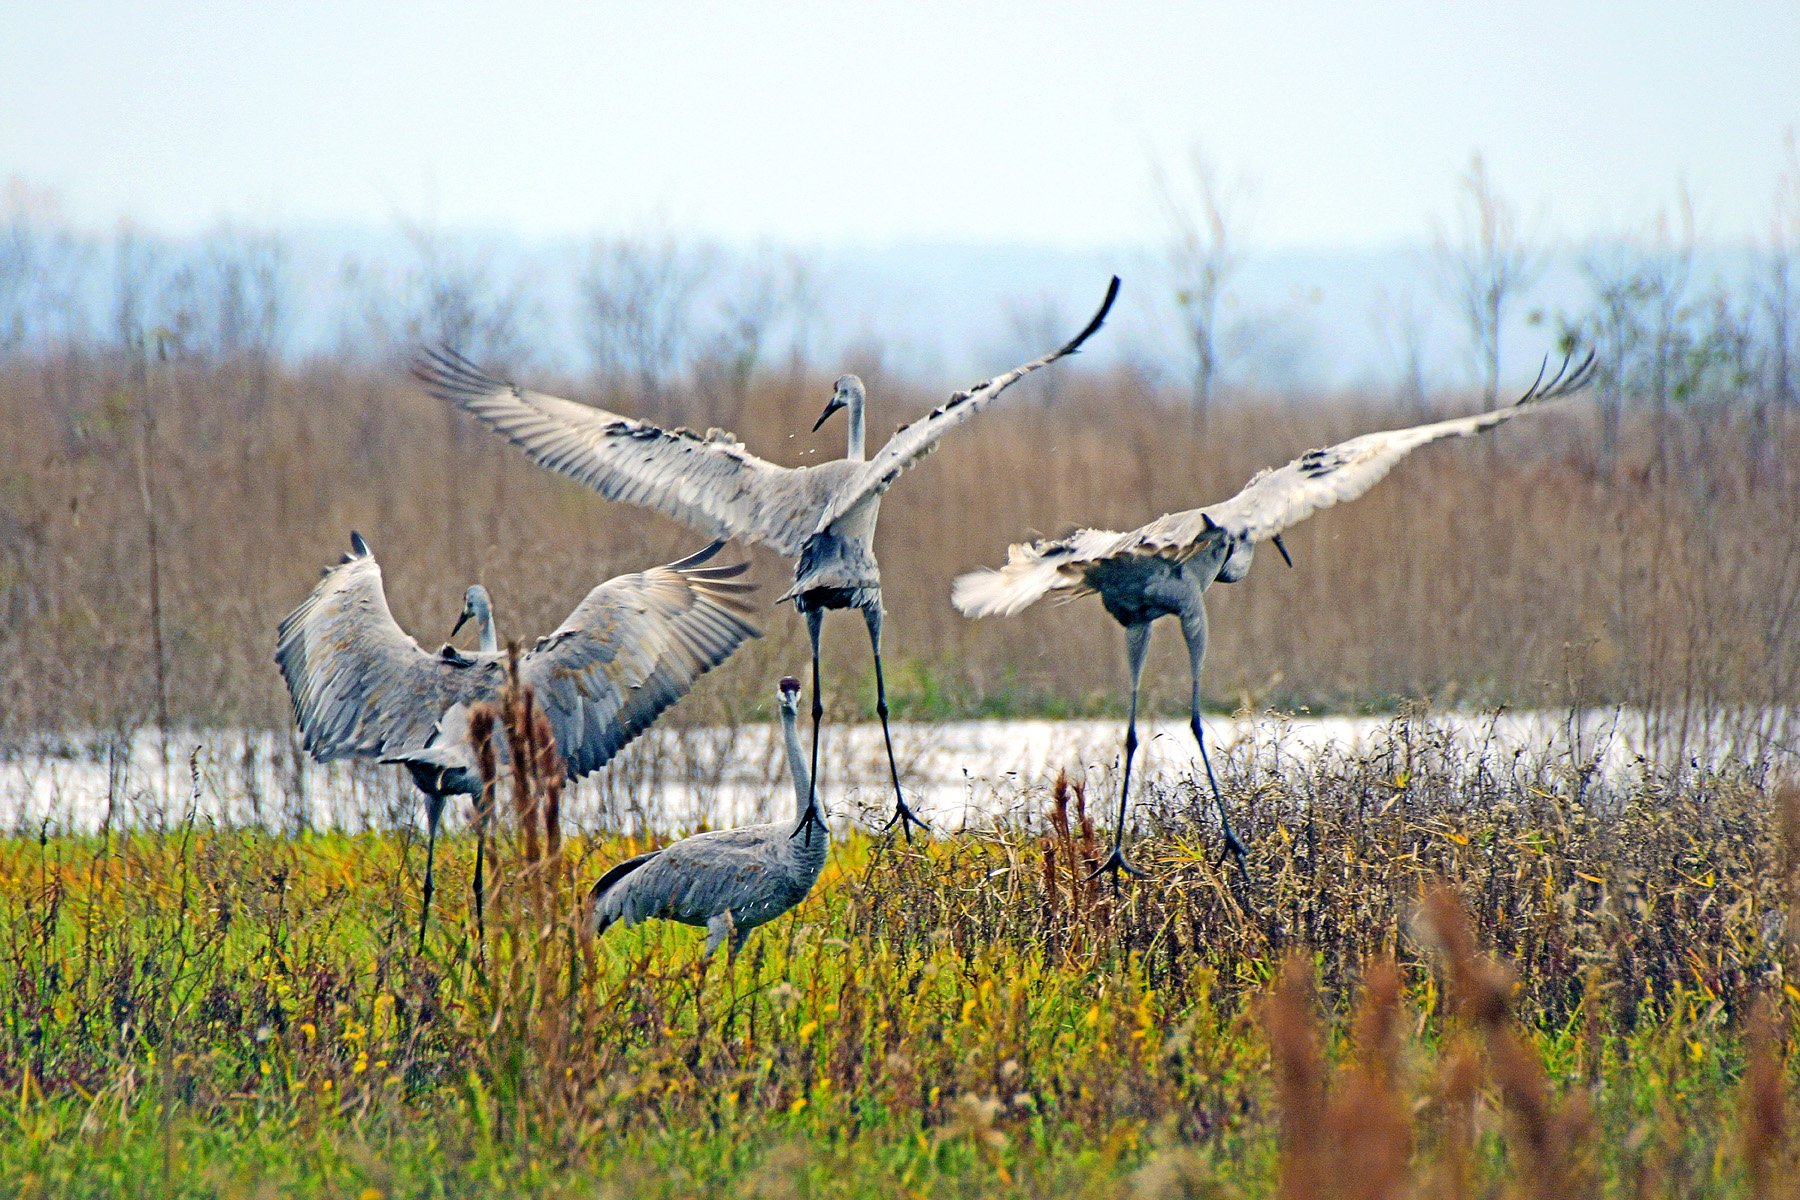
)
(460, 622)
(1282, 546)
(826, 415)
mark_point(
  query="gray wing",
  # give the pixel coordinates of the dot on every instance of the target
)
(632, 647)
(710, 482)
(1270, 503)
(692, 880)
(1276, 499)
(912, 442)
(360, 686)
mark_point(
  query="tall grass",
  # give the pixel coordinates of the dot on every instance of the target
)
(216, 1012)
(1465, 577)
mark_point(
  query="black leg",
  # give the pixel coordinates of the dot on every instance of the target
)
(1194, 630)
(1137, 642)
(434, 809)
(815, 619)
(1233, 846)
(481, 816)
(903, 814)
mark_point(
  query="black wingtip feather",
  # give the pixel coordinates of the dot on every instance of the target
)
(698, 557)
(1112, 293)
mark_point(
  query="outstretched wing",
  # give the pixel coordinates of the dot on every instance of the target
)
(1271, 502)
(361, 687)
(632, 647)
(710, 482)
(916, 440)
(1276, 499)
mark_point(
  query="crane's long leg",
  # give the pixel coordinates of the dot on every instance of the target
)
(1137, 643)
(1194, 630)
(434, 810)
(481, 819)
(815, 620)
(903, 814)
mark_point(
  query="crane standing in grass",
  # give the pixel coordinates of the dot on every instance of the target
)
(729, 880)
(362, 688)
(822, 515)
(1164, 568)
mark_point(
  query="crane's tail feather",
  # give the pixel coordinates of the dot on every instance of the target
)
(599, 914)
(1001, 592)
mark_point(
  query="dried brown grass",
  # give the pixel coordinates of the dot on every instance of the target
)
(1523, 578)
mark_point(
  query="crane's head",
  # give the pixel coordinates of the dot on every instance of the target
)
(788, 693)
(846, 391)
(476, 607)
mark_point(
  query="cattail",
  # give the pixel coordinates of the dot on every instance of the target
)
(1763, 1099)
(1549, 1135)
(481, 733)
(551, 776)
(1299, 1075)
(1370, 1127)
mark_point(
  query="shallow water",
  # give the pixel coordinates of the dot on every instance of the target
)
(955, 773)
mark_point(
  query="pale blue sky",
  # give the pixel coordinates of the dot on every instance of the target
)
(833, 123)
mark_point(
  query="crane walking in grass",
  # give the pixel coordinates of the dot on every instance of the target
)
(822, 515)
(729, 880)
(1164, 568)
(362, 688)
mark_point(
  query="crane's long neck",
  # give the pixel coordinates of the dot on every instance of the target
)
(858, 449)
(804, 849)
(484, 626)
(790, 732)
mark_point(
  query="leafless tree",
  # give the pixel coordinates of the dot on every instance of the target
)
(1485, 264)
(1781, 286)
(1665, 272)
(16, 269)
(453, 296)
(1206, 225)
(639, 295)
(765, 292)
(1614, 326)
(1402, 324)
(1037, 323)
(244, 283)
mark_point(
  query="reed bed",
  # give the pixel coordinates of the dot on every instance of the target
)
(1669, 581)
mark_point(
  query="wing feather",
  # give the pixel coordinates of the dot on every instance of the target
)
(1271, 502)
(710, 482)
(1275, 500)
(912, 442)
(360, 686)
(632, 647)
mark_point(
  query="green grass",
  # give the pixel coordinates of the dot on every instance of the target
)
(236, 1013)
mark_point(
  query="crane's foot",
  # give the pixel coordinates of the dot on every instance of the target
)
(906, 818)
(1115, 863)
(1234, 848)
(805, 825)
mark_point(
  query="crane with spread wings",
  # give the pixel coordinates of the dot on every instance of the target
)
(1164, 568)
(363, 688)
(824, 516)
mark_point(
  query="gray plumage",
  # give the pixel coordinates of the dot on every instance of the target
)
(823, 515)
(363, 688)
(729, 880)
(1164, 568)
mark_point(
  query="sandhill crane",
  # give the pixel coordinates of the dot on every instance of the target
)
(729, 880)
(1164, 568)
(823, 515)
(362, 688)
